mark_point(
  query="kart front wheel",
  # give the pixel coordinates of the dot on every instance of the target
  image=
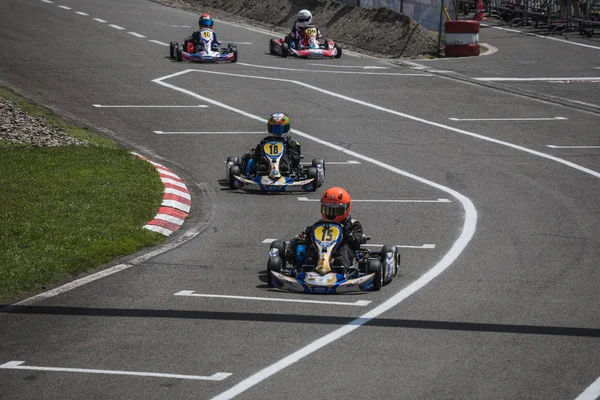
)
(235, 160)
(177, 52)
(274, 264)
(317, 161)
(233, 172)
(171, 50)
(285, 50)
(339, 51)
(280, 246)
(311, 173)
(272, 47)
(394, 250)
(235, 55)
(376, 267)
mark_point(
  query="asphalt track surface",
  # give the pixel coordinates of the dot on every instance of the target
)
(499, 292)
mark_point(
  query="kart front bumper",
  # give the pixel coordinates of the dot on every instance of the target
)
(266, 184)
(334, 285)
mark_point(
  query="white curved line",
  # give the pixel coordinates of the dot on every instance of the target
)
(468, 230)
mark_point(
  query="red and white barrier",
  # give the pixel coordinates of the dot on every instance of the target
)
(462, 38)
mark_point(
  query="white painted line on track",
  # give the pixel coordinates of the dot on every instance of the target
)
(138, 35)
(335, 72)
(366, 104)
(269, 240)
(64, 7)
(386, 200)
(82, 13)
(99, 20)
(349, 162)
(582, 79)
(404, 246)
(572, 147)
(592, 392)
(159, 42)
(141, 106)
(219, 376)
(349, 66)
(510, 119)
(211, 133)
(190, 293)
(543, 37)
(117, 27)
(47, 1)
(464, 238)
(583, 103)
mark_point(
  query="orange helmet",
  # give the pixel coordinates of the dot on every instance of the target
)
(335, 205)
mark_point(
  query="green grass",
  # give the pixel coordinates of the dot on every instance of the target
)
(66, 210)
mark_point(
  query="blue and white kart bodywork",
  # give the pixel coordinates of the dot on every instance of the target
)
(207, 51)
(273, 180)
(370, 270)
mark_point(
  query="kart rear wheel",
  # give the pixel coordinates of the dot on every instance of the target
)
(234, 171)
(391, 249)
(233, 159)
(376, 267)
(171, 50)
(285, 49)
(339, 51)
(317, 161)
(311, 173)
(280, 246)
(274, 264)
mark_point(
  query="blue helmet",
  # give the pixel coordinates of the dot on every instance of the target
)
(278, 124)
(205, 21)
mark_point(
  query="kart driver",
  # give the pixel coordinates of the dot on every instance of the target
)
(278, 126)
(303, 20)
(335, 206)
(204, 22)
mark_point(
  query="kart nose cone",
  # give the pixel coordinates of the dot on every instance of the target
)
(274, 174)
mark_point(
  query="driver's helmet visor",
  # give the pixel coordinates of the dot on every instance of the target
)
(303, 19)
(333, 210)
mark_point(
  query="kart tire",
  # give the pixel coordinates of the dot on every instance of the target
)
(274, 264)
(285, 50)
(326, 44)
(177, 52)
(376, 267)
(235, 55)
(339, 50)
(272, 47)
(234, 159)
(171, 50)
(231, 46)
(234, 171)
(317, 161)
(311, 173)
(391, 249)
(280, 246)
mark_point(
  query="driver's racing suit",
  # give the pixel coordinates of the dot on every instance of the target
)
(352, 233)
(296, 34)
(197, 41)
(251, 162)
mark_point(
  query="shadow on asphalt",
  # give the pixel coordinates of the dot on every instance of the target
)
(302, 319)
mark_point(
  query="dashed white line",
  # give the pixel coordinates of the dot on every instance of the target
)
(190, 293)
(219, 376)
(349, 162)
(64, 7)
(82, 13)
(509, 119)
(404, 246)
(47, 1)
(117, 27)
(212, 133)
(494, 79)
(99, 20)
(553, 146)
(336, 72)
(139, 35)
(146, 106)
(159, 42)
(386, 200)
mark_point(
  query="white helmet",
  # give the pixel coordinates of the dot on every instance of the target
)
(304, 17)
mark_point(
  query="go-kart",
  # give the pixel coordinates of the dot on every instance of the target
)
(207, 51)
(274, 174)
(370, 270)
(309, 46)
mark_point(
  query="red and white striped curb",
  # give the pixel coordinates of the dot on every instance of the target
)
(176, 202)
